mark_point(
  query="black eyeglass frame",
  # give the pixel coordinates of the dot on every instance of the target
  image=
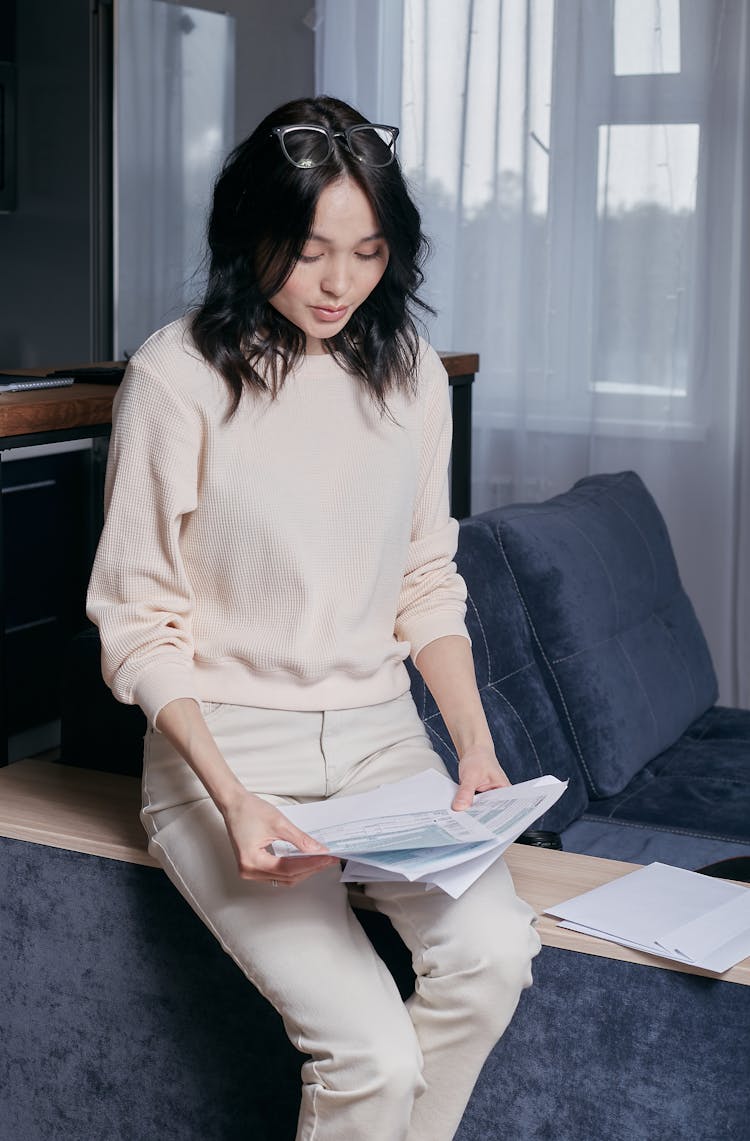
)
(345, 135)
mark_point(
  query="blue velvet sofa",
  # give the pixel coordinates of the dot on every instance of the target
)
(592, 665)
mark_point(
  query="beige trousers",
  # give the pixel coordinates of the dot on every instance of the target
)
(379, 1069)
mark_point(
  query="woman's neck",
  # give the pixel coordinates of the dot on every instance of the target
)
(314, 347)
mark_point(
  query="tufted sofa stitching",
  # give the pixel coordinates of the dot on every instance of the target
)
(634, 792)
(657, 614)
(493, 686)
(506, 677)
(616, 502)
(446, 744)
(484, 634)
(678, 651)
(523, 726)
(587, 538)
(574, 735)
(668, 764)
(662, 828)
(488, 685)
(641, 686)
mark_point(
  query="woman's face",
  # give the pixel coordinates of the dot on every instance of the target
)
(343, 260)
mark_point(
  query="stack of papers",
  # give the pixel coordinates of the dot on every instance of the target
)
(666, 911)
(408, 831)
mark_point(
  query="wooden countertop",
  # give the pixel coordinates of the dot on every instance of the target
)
(55, 409)
(460, 364)
(85, 811)
(85, 405)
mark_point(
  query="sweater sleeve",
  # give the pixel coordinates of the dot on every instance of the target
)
(139, 595)
(433, 595)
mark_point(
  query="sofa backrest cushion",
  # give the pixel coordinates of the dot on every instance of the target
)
(626, 660)
(525, 726)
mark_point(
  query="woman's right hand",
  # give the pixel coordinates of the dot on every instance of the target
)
(252, 825)
(251, 822)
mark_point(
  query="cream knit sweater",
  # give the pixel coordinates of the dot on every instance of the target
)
(291, 557)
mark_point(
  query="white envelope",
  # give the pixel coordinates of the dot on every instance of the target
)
(666, 911)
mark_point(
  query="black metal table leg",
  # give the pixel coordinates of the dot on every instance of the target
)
(3, 655)
(461, 454)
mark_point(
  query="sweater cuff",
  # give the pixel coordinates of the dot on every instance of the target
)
(161, 683)
(428, 628)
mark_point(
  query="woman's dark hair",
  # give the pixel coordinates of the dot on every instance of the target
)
(263, 211)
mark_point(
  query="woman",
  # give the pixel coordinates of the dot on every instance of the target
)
(277, 540)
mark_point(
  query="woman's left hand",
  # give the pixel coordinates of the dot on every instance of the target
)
(478, 771)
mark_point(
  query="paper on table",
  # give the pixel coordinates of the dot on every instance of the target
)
(717, 961)
(647, 948)
(669, 912)
(720, 936)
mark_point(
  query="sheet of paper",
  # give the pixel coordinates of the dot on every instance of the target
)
(421, 802)
(508, 811)
(407, 830)
(404, 834)
(354, 872)
(500, 808)
(666, 911)
(454, 881)
(415, 813)
(644, 903)
(715, 936)
(454, 870)
(647, 948)
(418, 863)
(423, 791)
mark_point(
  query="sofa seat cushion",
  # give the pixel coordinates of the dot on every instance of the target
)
(690, 807)
(721, 723)
(625, 657)
(640, 844)
(700, 787)
(529, 740)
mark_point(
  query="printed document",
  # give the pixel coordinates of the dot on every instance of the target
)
(408, 831)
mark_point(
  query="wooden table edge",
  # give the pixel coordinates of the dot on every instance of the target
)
(460, 364)
(55, 409)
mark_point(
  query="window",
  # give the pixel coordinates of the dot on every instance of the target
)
(558, 148)
(628, 177)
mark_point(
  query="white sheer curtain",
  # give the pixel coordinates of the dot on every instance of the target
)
(174, 87)
(583, 171)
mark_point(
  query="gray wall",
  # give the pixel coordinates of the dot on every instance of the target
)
(45, 302)
(275, 54)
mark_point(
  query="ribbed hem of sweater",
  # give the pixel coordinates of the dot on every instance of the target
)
(233, 684)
